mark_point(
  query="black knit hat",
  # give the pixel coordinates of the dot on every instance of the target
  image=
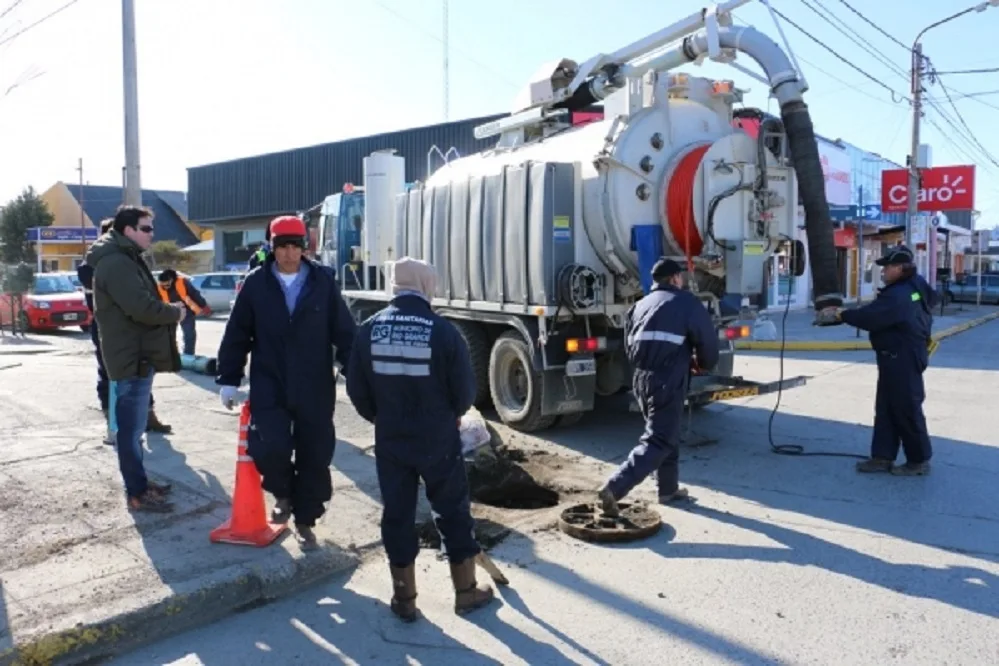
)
(665, 268)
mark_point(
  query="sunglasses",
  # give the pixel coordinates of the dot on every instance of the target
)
(145, 228)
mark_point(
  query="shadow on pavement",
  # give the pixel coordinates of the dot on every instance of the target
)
(969, 588)
(342, 627)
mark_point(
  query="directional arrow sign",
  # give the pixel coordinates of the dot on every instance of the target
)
(872, 212)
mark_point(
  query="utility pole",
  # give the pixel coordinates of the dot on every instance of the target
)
(133, 186)
(83, 215)
(447, 66)
(917, 111)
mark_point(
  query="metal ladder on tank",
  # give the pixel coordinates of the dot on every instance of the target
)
(445, 157)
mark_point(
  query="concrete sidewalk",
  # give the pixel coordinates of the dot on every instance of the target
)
(801, 335)
(80, 577)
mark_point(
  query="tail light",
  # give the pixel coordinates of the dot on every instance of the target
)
(577, 345)
(736, 332)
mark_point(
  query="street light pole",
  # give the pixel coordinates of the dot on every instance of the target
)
(133, 186)
(917, 112)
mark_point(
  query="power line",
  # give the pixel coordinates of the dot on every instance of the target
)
(38, 22)
(963, 122)
(987, 70)
(878, 55)
(11, 8)
(873, 25)
(863, 72)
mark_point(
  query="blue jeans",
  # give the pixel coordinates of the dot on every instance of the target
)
(128, 416)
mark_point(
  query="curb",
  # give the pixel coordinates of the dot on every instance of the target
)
(226, 592)
(850, 345)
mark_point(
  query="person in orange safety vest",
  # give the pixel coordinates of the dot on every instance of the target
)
(175, 289)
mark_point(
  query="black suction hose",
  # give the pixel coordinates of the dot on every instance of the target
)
(812, 191)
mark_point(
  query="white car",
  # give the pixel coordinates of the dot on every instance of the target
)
(219, 289)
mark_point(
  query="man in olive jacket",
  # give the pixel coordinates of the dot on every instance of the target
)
(138, 338)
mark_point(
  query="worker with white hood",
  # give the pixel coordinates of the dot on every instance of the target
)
(410, 375)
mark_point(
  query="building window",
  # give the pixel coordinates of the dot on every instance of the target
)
(239, 246)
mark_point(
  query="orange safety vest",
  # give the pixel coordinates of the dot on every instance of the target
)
(181, 285)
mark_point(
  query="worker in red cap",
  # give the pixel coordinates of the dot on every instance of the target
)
(292, 322)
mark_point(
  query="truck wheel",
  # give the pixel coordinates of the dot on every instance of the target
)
(515, 385)
(478, 348)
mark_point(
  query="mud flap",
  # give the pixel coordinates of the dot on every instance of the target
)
(564, 394)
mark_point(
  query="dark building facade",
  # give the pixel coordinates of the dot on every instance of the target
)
(238, 198)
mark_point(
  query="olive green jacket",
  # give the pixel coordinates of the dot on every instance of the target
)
(137, 329)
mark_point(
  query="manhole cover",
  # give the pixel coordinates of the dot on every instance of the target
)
(589, 523)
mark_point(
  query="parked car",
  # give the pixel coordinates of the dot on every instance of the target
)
(73, 277)
(219, 289)
(966, 291)
(239, 285)
(53, 303)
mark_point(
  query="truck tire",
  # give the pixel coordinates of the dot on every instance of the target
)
(478, 348)
(515, 385)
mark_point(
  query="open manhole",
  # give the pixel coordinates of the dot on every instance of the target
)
(501, 482)
(589, 523)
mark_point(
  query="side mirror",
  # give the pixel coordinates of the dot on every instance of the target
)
(798, 257)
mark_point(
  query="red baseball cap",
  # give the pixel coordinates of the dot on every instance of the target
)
(287, 225)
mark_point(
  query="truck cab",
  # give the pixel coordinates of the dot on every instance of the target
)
(340, 223)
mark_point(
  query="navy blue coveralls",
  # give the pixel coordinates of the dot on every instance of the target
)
(661, 330)
(85, 273)
(900, 323)
(411, 376)
(292, 381)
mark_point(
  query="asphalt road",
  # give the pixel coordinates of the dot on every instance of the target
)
(782, 560)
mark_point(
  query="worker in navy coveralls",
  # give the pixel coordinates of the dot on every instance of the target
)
(899, 321)
(661, 331)
(411, 376)
(292, 322)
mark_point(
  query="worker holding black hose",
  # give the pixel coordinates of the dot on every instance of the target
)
(900, 322)
(661, 332)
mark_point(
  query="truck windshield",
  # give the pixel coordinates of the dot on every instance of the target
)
(52, 284)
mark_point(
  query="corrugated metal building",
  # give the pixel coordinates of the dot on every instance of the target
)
(238, 198)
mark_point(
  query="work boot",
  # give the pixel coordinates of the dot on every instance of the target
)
(404, 592)
(281, 512)
(149, 501)
(306, 538)
(874, 465)
(680, 495)
(153, 424)
(911, 469)
(608, 503)
(468, 594)
(161, 489)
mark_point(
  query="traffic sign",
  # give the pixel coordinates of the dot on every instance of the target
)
(980, 241)
(942, 188)
(869, 213)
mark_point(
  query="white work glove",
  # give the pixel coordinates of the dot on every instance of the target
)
(230, 395)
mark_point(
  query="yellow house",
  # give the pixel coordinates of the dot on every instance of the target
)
(63, 247)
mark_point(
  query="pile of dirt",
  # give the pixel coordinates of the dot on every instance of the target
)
(501, 481)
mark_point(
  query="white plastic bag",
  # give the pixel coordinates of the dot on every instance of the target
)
(474, 433)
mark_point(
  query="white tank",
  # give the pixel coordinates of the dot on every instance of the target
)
(384, 179)
(664, 164)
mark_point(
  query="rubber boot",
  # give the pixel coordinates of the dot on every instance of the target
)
(468, 594)
(874, 466)
(153, 424)
(404, 592)
(608, 503)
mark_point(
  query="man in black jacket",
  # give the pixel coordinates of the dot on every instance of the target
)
(85, 273)
(900, 322)
(411, 376)
(291, 321)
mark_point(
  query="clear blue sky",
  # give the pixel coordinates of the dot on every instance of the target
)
(220, 79)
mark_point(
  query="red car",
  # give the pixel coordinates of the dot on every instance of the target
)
(53, 303)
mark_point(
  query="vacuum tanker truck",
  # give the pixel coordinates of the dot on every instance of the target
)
(543, 243)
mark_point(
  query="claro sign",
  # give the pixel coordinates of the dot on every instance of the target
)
(942, 188)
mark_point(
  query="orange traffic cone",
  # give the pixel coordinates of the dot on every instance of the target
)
(248, 525)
